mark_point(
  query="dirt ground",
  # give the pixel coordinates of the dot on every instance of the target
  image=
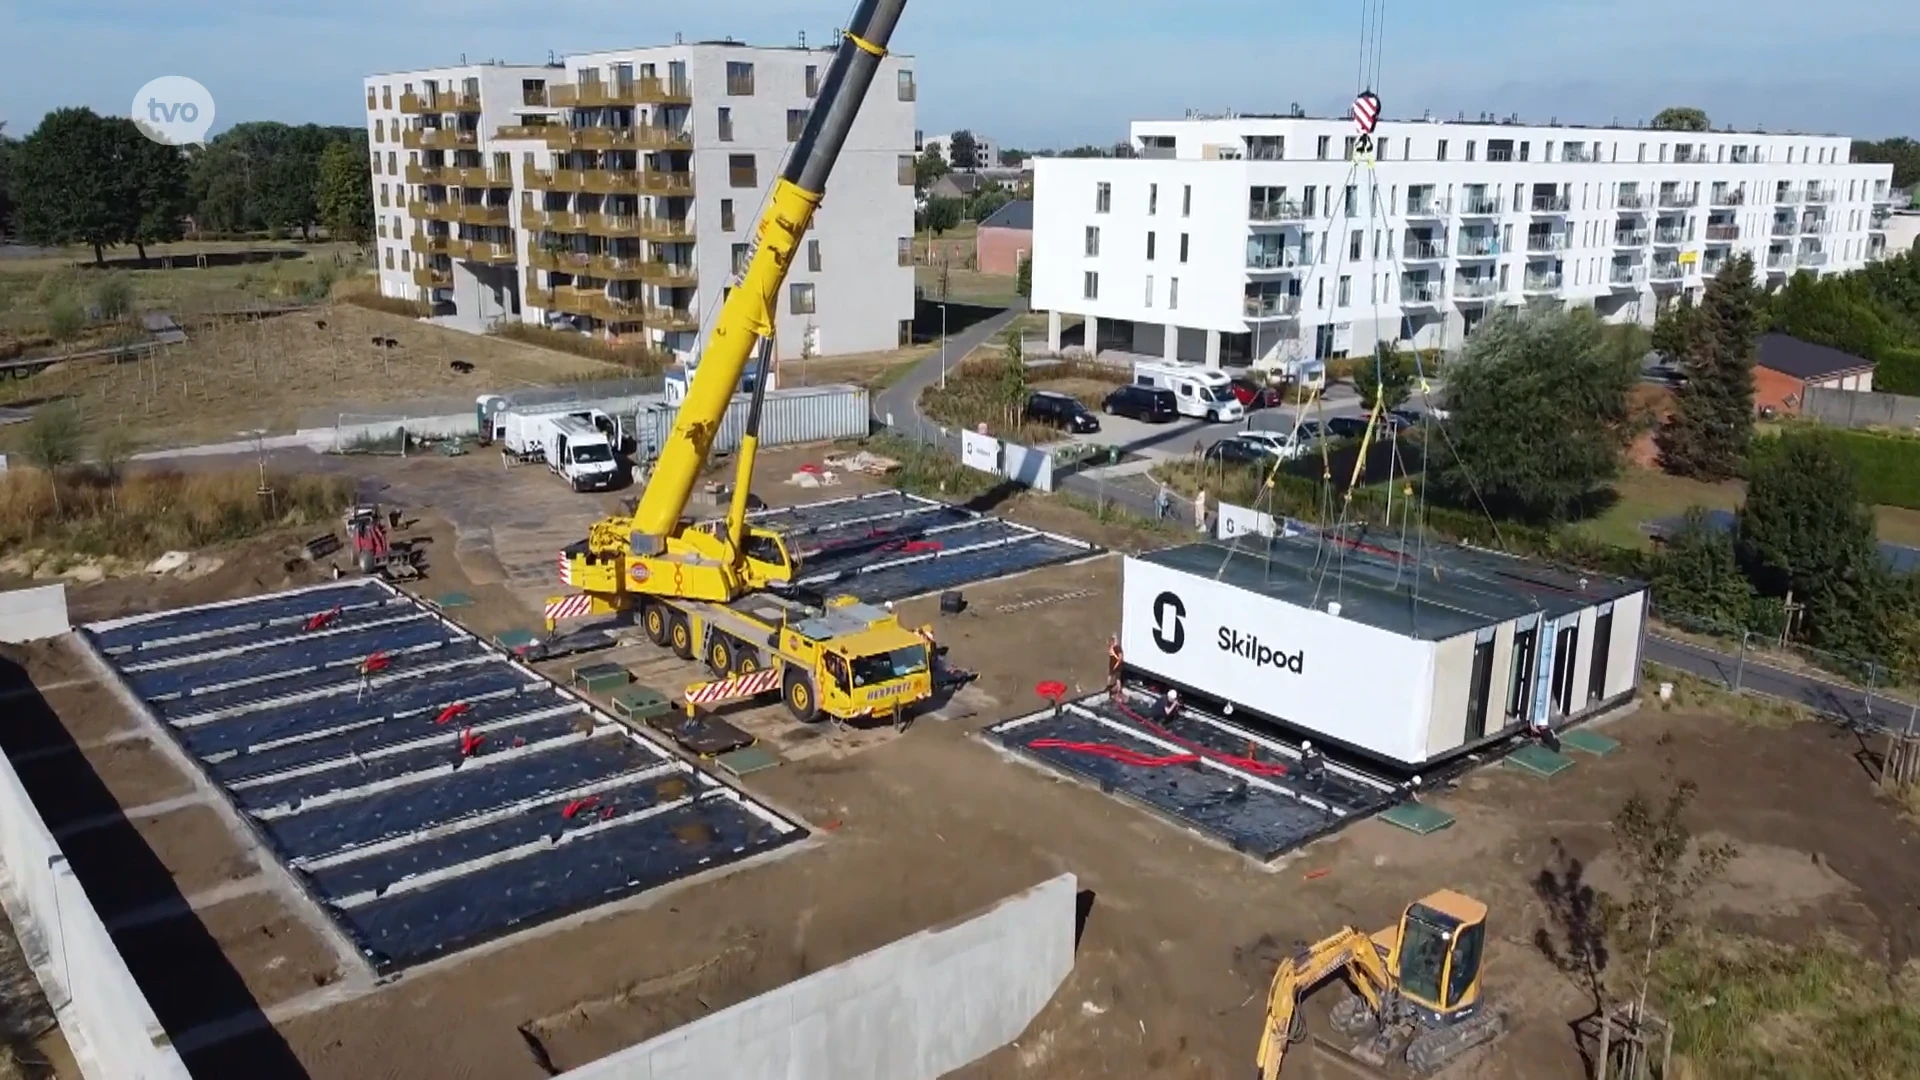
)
(919, 828)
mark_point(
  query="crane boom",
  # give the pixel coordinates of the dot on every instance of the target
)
(747, 315)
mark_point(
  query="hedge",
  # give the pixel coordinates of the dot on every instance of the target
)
(1888, 466)
(1898, 372)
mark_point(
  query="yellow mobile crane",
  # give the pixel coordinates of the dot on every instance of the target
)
(718, 590)
(1417, 981)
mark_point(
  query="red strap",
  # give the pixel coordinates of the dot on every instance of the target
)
(1121, 754)
(376, 662)
(576, 806)
(452, 711)
(1245, 764)
(469, 742)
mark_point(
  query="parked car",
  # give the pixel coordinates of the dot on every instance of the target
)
(1061, 410)
(1239, 450)
(1144, 403)
(1347, 427)
(1255, 395)
(1280, 444)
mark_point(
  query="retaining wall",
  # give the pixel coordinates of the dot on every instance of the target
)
(106, 1019)
(1860, 409)
(32, 614)
(913, 1010)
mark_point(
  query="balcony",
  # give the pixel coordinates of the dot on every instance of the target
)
(1779, 260)
(1785, 228)
(611, 181)
(429, 278)
(554, 220)
(1632, 202)
(1574, 152)
(1550, 204)
(480, 214)
(1547, 242)
(667, 275)
(1811, 258)
(1272, 306)
(439, 139)
(1677, 200)
(484, 252)
(1480, 206)
(642, 137)
(1626, 277)
(1722, 234)
(659, 230)
(1418, 293)
(1631, 238)
(1429, 207)
(669, 318)
(566, 262)
(1819, 194)
(1475, 288)
(1710, 267)
(1541, 283)
(444, 101)
(479, 177)
(1477, 247)
(430, 244)
(434, 211)
(1416, 250)
(1267, 213)
(1670, 236)
(1735, 197)
(626, 92)
(426, 174)
(1815, 226)
(1882, 197)
(1285, 259)
(523, 131)
(1666, 272)
(1786, 196)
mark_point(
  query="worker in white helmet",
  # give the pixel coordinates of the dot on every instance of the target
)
(1167, 706)
(1313, 767)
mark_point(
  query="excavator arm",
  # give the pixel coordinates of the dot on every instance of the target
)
(1346, 950)
(747, 316)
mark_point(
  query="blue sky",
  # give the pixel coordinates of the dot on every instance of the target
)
(1038, 72)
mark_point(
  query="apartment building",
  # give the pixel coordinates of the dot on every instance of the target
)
(615, 193)
(986, 153)
(1259, 238)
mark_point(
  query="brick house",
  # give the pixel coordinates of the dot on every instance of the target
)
(1004, 238)
(1785, 366)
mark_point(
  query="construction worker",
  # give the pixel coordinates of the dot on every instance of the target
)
(1114, 660)
(1313, 767)
(1167, 706)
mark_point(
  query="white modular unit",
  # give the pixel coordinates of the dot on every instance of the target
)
(804, 414)
(1487, 647)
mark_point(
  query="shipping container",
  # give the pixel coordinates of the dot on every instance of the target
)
(1407, 657)
(805, 414)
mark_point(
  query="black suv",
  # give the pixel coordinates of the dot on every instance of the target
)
(1061, 410)
(1238, 451)
(1146, 403)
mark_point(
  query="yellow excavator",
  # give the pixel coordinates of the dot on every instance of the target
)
(1417, 994)
(721, 590)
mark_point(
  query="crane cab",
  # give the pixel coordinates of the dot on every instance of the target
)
(1435, 956)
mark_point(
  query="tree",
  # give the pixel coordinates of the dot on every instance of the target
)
(1539, 413)
(1712, 421)
(1803, 530)
(287, 195)
(1902, 153)
(927, 168)
(1837, 310)
(1393, 381)
(160, 180)
(53, 442)
(1012, 158)
(1663, 867)
(1023, 278)
(6, 182)
(1673, 329)
(1013, 375)
(941, 214)
(962, 152)
(345, 194)
(1698, 576)
(1681, 118)
(984, 202)
(72, 184)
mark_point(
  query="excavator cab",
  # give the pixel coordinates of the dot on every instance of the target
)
(1436, 956)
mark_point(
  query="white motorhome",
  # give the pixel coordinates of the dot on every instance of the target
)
(523, 431)
(1304, 373)
(1197, 391)
(580, 453)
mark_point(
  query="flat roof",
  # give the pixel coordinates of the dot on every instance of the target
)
(1435, 592)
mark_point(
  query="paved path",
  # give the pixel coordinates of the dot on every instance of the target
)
(901, 401)
(1850, 705)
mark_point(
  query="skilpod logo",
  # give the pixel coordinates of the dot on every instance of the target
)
(1169, 632)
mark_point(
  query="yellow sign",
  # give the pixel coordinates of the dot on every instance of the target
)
(1687, 258)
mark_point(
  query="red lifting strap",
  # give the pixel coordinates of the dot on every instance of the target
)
(452, 711)
(320, 619)
(1245, 764)
(1121, 754)
(469, 742)
(376, 662)
(575, 807)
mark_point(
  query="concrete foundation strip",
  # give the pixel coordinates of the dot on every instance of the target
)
(197, 719)
(308, 669)
(493, 760)
(256, 646)
(426, 740)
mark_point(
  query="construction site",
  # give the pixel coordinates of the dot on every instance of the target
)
(727, 746)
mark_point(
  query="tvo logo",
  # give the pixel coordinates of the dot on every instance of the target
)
(173, 110)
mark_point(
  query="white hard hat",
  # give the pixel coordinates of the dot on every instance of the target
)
(1173, 695)
(1306, 744)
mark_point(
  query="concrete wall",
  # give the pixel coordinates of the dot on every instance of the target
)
(104, 1016)
(913, 1010)
(32, 614)
(1851, 408)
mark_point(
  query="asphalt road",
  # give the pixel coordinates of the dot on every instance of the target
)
(1852, 706)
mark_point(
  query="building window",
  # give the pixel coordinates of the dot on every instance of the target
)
(739, 257)
(383, 228)
(813, 80)
(1643, 153)
(1525, 149)
(1173, 293)
(370, 99)
(1326, 142)
(406, 259)
(379, 131)
(1383, 149)
(813, 256)
(1346, 153)
(906, 85)
(1149, 290)
(1353, 201)
(393, 164)
(726, 124)
(1102, 197)
(383, 196)
(376, 163)
(1183, 247)
(1353, 245)
(1186, 201)
(741, 171)
(1150, 245)
(1153, 201)
(389, 258)
(796, 121)
(1090, 286)
(906, 251)
(386, 97)
(904, 171)
(1345, 295)
(739, 78)
(800, 297)
(1320, 294)
(1470, 149)
(1093, 240)
(726, 215)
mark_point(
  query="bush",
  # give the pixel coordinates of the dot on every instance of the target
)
(153, 511)
(638, 357)
(1887, 466)
(1898, 371)
(113, 295)
(392, 305)
(65, 318)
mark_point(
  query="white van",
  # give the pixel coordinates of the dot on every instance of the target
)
(580, 453)
(1197, 391)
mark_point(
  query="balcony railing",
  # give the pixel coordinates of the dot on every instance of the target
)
(1282, 259)
(1632, 200)
(484, 251)
(1630, 238)
(1550, 204)
(434, 211)
(480, 177)
(569, 262)
(523, 131)
(1419, 292)
(1579, 154)
(1784, 228)
(1474, 288)
(1779, 260)
(1721, 234)
(1819, 194)
(481, 214)
(1811, 258)
(1882, 197)
(1678, 200)
(1272, 306)
(1477, 247)
(1284, 210)
(439, 139)
(1786, 196)
(428, 244)
(1815, 226)
(1670, 236)
(1431, 206)
(554, 220)
(1710, 267)
(1735, 197)
(443, 101)
(620, 92)
(1480, 206)
(430, 278)
(1547, 242)
(1416, 250)
(1541, 283)
(670, 318)
(426, 174)
(1666, 271)
(1626, 276)
(641, 137)
(611, 181)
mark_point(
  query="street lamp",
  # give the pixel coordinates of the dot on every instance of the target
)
(943, 343)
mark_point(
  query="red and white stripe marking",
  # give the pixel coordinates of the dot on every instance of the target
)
(566, 570)
(1366, 112)
(569, 607)
(751, 684)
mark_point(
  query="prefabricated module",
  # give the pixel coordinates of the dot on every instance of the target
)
(1406, 658)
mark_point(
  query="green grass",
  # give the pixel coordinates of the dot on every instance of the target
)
(1648, 495)
(968, 287)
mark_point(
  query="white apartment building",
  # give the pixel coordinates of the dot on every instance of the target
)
(1257, 238)
(616, 193)
(986, 153)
